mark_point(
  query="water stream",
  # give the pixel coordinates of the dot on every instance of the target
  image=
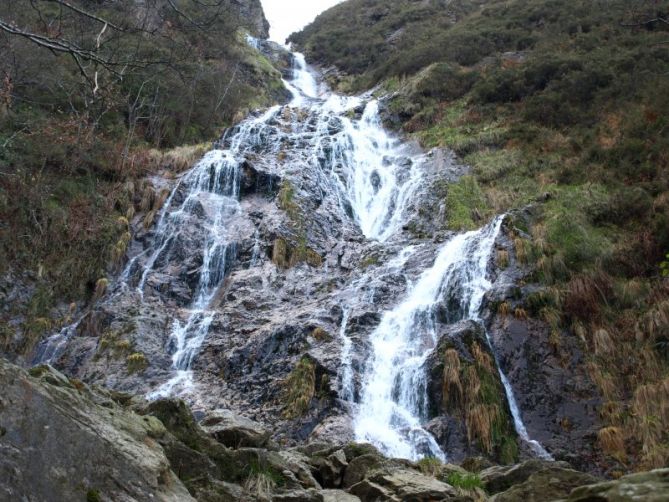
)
(374, 176)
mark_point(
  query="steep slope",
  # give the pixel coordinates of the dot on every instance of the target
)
(132, 88)
(560, 109)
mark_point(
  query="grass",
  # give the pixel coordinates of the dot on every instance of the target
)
(464, 481)
(261, 480)
(137, 362)
(471, 390)
(430, 466)
(299, 389)
(466, 205)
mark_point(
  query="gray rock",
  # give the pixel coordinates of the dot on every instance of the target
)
(501, 477)
(548, 484)
(338, 496)
(234, 431)
(57, 444)
(650, 486)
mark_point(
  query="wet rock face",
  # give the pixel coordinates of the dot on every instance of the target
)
(558, 400)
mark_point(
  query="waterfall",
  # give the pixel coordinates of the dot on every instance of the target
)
(394, 394)
(373, 178)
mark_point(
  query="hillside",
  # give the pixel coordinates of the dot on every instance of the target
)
(95, 98)
(421, 255)
(560, 107)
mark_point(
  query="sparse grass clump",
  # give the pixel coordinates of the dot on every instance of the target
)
(464, 481)
(137, 362)
(299, 389)
(430, 466)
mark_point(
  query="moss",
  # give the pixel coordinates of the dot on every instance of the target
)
(466, 204)
(93, 495)
(371, 260)
(284, 255)
(299, 389)
(321, 335)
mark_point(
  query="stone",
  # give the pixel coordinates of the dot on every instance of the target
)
(411, 486)
(60, 445)
(358, 468)
(548, 484)
(234, 431)
(298, 496)
(500, 478)
(367, 491)
(331, 468)
(338, 496)
(650, 486)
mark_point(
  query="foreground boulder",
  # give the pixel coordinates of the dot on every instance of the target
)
(647, 486)
(59, 440)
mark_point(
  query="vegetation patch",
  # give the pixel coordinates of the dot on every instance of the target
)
(299, 389)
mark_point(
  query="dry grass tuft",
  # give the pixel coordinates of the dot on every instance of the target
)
(502, 258)
(482, 358)
(520, 313)
(451, 385)
(479, 420)
(100, 288)
(603, 342)
(299, 388)
(504, 309)
(260, 485)
(612, 441)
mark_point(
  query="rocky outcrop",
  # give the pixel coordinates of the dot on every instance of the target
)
(251, 15)
(61, 440)
(647, 486)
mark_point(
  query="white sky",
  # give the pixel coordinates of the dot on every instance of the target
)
(287, 16)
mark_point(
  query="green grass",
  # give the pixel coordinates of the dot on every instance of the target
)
(464, 481)
(466, 204)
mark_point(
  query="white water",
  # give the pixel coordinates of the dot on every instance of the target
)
(394, 399)
(374, 177)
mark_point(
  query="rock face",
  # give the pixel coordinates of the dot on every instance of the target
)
(252, 16)
(59, 440)
(559, 402)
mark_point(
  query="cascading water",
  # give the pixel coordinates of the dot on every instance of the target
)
(394, 398)
(373, 177)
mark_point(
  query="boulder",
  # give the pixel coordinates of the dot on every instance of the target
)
(331, 468)
(56, 443)
(338, 496)
(234, 431)
(549, 484)
(650, 486)
(500, 478)
(405, 485)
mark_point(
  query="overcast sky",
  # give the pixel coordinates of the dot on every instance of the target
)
(287, 16)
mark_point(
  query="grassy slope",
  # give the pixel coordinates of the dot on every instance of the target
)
(556, 104)
(71, 162)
